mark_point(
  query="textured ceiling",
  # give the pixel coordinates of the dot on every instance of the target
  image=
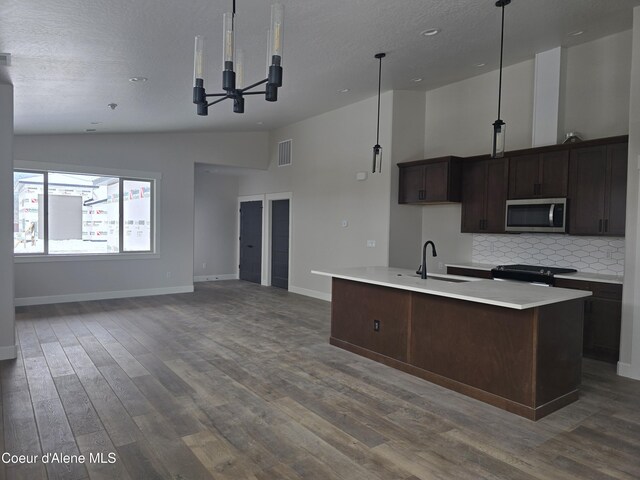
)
(70, 58)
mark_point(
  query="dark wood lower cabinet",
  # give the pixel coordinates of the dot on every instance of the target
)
(602, 318)
(527, 362)
(371, 317)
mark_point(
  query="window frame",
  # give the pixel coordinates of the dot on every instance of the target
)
(154, 178)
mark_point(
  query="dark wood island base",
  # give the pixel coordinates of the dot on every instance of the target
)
(527, 362)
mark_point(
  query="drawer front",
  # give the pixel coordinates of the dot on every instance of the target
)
(612, 291)
(469, 272)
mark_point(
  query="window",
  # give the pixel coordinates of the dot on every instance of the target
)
(60, 213)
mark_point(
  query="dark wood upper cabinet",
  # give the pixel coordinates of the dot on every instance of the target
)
(435, 180)
(484, 195)
(598, 190)
(540, 175)
(616, 192)
(591, 174)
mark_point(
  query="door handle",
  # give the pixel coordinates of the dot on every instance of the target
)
(606, 225)
(249, 246)
(600, 226)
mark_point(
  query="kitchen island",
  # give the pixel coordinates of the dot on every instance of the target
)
(515, 346)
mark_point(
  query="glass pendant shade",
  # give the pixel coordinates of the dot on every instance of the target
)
(499, 130)
(239, 68)
(228, 43)
(276, 33)
(198, 59)
(377, 159)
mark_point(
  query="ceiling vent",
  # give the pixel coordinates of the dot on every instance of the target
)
(284, 153)
(5, 59)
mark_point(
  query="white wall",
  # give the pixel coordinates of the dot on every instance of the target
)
(327, 151)
(629, 364)
(405, 222)
(7, 316)
(216, 224)
(172, 155)
(597, 86)
(459, 116)
(595, 101)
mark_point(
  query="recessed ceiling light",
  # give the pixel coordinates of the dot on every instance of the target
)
(344, 90)
(138, 79)
(260, 123)
(479, 65)
(430, 32)
(96, 123)
(90, 130)
(417, 80)
(112, 106)
(577, 33)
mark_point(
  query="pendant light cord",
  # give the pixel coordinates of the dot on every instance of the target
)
(501, 52)
(379, 83)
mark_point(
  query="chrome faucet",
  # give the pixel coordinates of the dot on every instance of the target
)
(422, 271)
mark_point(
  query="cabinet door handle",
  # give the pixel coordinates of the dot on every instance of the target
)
(600, 226)
(480, 225)
(606, 225)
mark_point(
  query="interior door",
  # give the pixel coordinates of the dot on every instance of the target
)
(280, 243)
(251, 241)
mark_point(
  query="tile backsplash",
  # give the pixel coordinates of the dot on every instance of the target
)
(586, 254)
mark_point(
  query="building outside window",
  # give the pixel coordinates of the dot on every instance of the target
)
(59, 213)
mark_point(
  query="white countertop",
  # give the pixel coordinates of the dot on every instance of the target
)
(584, 276)
(502, 294)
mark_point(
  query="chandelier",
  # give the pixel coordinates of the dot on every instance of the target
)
(233, 66)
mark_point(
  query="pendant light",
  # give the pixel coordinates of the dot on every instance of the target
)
(377, 149)
(499, 126)
(233, 68)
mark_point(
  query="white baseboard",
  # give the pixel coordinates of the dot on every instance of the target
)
(84, 297)
(626, 370)
(8, 353)
(310, 293)
(215, 278)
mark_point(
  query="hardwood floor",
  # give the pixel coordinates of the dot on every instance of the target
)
(238, 381)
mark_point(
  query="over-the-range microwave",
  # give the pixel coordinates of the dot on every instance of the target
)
(536, 215)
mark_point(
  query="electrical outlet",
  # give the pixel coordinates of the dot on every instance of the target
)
(608, 254)
(168, 274)
(376, 325)
(344, 223)
(204, 265)
(371, 243)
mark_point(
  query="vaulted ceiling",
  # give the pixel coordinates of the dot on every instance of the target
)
(70, 58)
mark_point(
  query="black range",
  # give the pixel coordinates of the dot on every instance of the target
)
(529, 273)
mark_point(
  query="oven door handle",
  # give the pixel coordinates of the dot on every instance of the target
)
(551, 210)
